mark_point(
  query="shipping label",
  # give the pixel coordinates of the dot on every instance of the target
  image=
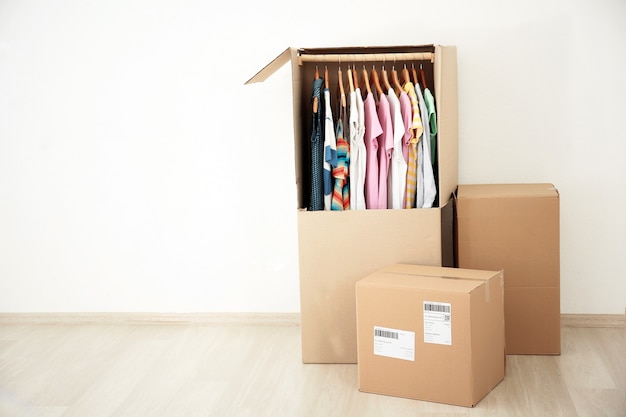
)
(437, 323)
(394, 343)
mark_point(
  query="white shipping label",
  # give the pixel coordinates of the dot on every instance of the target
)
(437, 323)
(394, 343)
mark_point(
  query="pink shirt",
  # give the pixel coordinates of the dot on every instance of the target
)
(372, 131)
(385, 144)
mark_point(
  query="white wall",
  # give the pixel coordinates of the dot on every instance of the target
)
(138, 173)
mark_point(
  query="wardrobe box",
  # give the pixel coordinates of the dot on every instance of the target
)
(337, 248)
(515, 227)
(431, 333)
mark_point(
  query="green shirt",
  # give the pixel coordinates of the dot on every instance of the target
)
(432, 119)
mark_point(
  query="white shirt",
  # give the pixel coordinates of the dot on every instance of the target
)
(358, 151)
(396, 180)
(353, 130)
(362, 159)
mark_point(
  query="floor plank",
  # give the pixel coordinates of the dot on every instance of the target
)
(194, 370)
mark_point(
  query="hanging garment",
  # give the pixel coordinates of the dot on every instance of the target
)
(330, 150)
(411, 145)
(373, 131)
(358, 152)
(345, 152)
(316, 200)
(353, 130)
(406, 109)
(428, 183)
(385, 146)
(419, 192)
(396, 180)
(432, 122)
(341, 194)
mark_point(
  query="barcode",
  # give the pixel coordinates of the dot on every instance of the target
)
(440, 308)
(385, 333)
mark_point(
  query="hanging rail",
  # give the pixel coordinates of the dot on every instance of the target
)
(386, 57)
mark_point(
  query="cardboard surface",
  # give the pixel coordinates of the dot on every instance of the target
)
(369, 239)
(458, 364)
(515, 227)
(533, 320)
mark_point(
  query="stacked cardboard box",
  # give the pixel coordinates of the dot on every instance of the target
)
(431, 333)
(515, 227)
(451, 320)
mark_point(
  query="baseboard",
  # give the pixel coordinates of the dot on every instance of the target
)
(244, 319)
(593, 320)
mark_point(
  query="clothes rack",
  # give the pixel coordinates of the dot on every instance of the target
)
(386, 57)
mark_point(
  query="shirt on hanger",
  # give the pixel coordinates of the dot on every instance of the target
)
(358, 157)
(432, 122)
(428, 183)
(385, 146)
(373, 130)
(419, 192)
(353, 131)
(341, 194)
(406, 109)
(316, 198)
(396, 180)
(330, 150)
(410, 147)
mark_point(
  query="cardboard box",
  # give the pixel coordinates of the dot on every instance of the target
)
(431, 333)
(515, 227)
(338, 248)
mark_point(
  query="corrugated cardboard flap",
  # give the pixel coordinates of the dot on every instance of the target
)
(286, 55)
(472, 279)
(441, 272)
(271, 68)
(514, 190)
(432, 278)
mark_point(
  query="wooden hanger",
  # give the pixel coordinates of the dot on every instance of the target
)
(350, 80)
(375, 80)
(366, 80)
(342, 94)
(415, 79)
(423, 77)
(405, 75)
(394, 79)
(355, 77)
(326, 76)
(385, 78)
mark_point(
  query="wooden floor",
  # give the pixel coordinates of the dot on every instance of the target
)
(194, 370)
